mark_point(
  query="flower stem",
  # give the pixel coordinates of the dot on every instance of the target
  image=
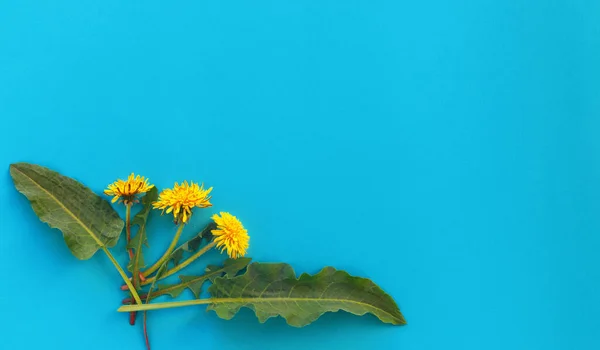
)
(135, 279)
(146, 331)
(181, 266)
(123, 275)
(171, 304)
(165, 256)
(128, 227)
(146, 314)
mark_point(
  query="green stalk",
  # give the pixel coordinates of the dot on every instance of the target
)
(136, 277)
(166, 255)
(182, 265)
(169, 305)
(123, 275)
(128, 227)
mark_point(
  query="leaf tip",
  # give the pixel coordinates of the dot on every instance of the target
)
(401, 321)
(12, 167)
(17, 165)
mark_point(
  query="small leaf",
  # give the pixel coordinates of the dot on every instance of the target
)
(141, 219)
(87, 221)
(230, 268)
(192, 245)
(273, 290)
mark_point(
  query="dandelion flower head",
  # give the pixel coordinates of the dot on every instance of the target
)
(126, 190)
(181, 199)
(230, 235)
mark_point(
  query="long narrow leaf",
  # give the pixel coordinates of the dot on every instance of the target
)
(273, 290)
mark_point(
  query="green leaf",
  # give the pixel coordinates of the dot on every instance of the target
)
(273, 290)
(140, 219)
(230, 268)
(87, 221)
(192, 245)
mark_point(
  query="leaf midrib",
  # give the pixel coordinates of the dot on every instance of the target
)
(89, 231)
(261, 300)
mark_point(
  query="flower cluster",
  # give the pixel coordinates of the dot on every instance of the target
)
(230, 235)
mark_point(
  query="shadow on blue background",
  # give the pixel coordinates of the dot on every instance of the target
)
(446, 149)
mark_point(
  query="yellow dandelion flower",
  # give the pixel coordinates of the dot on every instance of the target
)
(181, 199)
(230, 235)
(127, 190)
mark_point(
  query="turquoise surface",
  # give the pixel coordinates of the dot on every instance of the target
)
(448, 150)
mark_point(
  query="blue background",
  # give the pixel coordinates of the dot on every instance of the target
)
(448, 150)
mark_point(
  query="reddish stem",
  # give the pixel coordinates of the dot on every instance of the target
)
(146, 332)
(124, 286)
(132, 318)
